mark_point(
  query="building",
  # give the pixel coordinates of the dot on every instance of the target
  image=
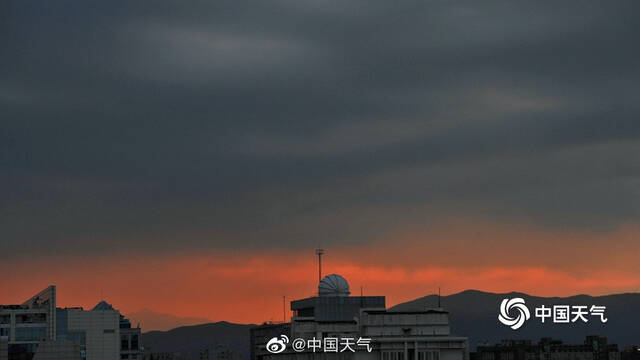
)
(4, 349)
(259, 335)
(412, 335)
(219, 352)
(38, 330)
(58, 350)
(423, 334)
(593, 348)
(23, 327)
(130, 340)
(97, 331)
(147, 355)
(630, 353)
(126, 338)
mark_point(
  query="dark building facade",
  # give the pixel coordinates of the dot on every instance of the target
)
(377, 333)
(593, 348)
(261, 334)
(630, 353)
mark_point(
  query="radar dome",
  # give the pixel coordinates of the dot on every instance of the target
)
(333, 285)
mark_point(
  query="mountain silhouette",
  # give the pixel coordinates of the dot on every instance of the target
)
(474, 314)
(150, 320)
(189, 340)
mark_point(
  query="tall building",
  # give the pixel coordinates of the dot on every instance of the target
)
(375, 332)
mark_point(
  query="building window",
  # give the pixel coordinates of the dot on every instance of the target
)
(31, 333)
(393, 355)
(124, 342)
(428, 355)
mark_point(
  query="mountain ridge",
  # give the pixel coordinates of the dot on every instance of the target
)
(189, 340)
(152, 320)
(473, 313)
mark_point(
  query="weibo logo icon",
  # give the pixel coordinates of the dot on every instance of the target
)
(513, 313)
(277, 344)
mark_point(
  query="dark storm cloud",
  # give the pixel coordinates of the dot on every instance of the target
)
(219, 124)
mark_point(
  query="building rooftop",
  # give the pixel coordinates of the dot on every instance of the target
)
(103, 306)
(333, 285)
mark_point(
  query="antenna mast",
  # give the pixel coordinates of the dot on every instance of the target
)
(319, 252)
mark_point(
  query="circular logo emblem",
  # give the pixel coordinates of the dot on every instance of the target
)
(277, 344)
(513, 313)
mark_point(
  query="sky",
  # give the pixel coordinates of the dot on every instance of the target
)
(186, 158)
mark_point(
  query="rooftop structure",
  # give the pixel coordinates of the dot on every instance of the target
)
(333, 285)
(333, 314)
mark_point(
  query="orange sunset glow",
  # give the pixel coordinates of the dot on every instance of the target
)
(248, 288)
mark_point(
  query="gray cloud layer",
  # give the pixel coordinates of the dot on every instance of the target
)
(289, 123)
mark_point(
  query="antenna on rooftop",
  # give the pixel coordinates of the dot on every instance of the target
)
(319, 252)
(438, 296)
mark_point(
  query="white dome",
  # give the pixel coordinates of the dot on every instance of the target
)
(333, 285)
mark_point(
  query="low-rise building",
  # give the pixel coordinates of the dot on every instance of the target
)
(4, 349)
(593, 348)
(58, 350)
(631, 352)
(130, 340)
(38, 330)
(24, 326)
(362, 327)
(219, 352)
(150, 355)
(261, 334)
